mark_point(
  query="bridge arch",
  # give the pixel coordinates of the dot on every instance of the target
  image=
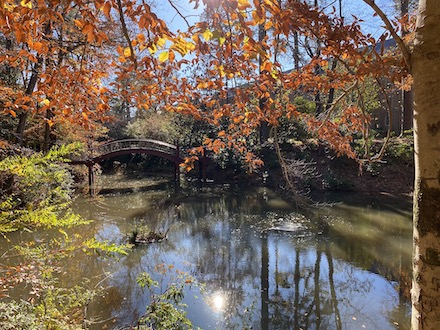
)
(139, 146)
(130, 146)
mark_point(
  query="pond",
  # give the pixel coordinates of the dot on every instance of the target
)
(262, 263)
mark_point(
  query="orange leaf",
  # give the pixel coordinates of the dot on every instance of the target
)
(79, 23)
(141, 37)
(106, 9)
(171, 56)
(256, 17)
(37, 46)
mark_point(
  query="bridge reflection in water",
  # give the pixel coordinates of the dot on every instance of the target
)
(116, 148)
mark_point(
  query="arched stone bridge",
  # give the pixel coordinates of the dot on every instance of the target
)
(135, 146)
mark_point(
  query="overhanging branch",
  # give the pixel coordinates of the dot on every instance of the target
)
(126, 34)
(399, 41)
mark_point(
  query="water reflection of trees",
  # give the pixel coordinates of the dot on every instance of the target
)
(298, 287)
(271, 279)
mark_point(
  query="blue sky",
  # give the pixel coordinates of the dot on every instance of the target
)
(358, 8)
(175, 22)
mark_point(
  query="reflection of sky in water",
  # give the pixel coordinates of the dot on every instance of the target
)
(238, 247)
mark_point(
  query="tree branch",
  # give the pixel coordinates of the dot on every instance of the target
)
(172, 4)
(125, 32)
(403, 48)
(299, 200)
(332, 106)
(381, 152)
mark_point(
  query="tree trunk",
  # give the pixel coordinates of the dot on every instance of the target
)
(29, 90)
(426, 254)
(407, 110)
(296, 50)
(47, 131)
(331, 92)
(22, 118)
(264, 126)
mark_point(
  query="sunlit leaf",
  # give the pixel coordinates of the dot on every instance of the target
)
(256, 17)
(26, 3)
(161, 42)
(207, 35)
(152, 49)
(164, 56)
(243, 4)
(190, 46)
(127, 52)
(106, 9)
(221, 71)
(9, 6)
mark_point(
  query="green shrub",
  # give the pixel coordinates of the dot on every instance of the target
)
(35, 190)
(402, 149)
(35, 195)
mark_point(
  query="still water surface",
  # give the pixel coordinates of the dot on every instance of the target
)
(263, 264)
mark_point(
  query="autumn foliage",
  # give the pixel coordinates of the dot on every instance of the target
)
(61, 63)
(239, 68)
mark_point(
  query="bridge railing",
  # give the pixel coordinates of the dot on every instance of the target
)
(135, 144)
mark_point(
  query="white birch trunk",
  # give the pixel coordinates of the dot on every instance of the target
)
(426, 254)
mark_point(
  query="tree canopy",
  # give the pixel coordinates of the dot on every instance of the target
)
(63, 62)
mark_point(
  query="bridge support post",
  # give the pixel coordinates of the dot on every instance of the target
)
(176, 165)
(91, 179)
(176, 172)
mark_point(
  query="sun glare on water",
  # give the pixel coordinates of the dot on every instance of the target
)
(218, 302)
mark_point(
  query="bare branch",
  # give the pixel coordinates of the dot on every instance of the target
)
(299, 200)
(333, 105)
(379, 156)
(172, 4)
